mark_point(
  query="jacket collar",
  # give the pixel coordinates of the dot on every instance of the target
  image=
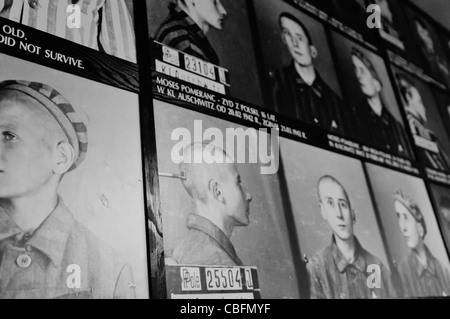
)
(316, 86)
(50, 237)
(430, 266)
(359, 261)
(207, 227)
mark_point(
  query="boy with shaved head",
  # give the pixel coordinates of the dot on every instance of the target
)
(41, 244)
(221, 203)
(341, 269)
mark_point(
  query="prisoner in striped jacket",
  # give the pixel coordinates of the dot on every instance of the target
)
(179, 31)
(106, 25)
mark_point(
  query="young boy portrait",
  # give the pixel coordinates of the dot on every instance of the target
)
(44, 251)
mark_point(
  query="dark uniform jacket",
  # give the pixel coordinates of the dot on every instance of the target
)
(180, 32)
(205, 244)
(333, 277)
(315, 104)
(383, 132)
(436, 159)
(432, 280)
(38, 265)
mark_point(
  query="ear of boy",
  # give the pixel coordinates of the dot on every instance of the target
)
(314, 52)
(64, 158)
(216, 191)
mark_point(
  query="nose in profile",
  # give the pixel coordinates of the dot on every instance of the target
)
(221, 8)
(248, 197)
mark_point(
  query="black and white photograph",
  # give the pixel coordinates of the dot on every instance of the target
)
(424, 120)
(214, 31)
(441, 197)
(412, 233)
(392, 21)
(349, 16)
(300, 78)
(103, 25)
(375, 115)
(71, 187)
(426, 48)
(336, 224)
(443, 102)
(220, 214)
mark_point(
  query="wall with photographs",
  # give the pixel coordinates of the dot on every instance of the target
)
(362, 116)
(244, 149)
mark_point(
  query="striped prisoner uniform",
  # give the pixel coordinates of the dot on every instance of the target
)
(105, 24)
(180, 32)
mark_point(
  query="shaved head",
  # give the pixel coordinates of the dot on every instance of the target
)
(330, 179)
(215, 164)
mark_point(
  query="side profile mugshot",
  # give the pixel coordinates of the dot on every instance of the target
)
(221, 204)
(435, 158)
(373, 122)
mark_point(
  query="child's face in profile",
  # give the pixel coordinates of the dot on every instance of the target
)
(25, 154)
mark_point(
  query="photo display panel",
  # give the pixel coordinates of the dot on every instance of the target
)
(102, 25)
(424, 54)
(376, 119)
(441, 199)
(220, 219)
(98, 223)
(328, 88)
(331, 118)
(412, 233)
(72, 209)
(334, 215)
(219, 55)
(426, 125)
(392, 21)
(428, 50)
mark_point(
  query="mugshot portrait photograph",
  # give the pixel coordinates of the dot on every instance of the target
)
(300, 81)
(193, 209)
(411, 232)
(375, 115)
(215, 31)
(424, 119)
(441, 198)
(443, 103)
(426, 47)
(70, 187)
(105, 26)
(392, 21)
(335, 221)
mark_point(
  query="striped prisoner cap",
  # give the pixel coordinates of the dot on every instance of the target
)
(412, 207)
(60, 109)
